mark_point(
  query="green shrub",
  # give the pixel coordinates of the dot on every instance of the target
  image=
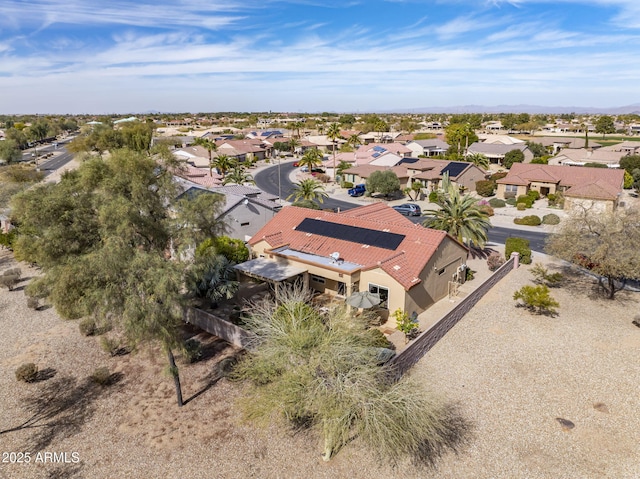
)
(521, 206)
(113, 346)
(27, 373)
(526, 199)
(542, 276)
(88, 327)
(511, 201)
(433, 197)
(497, 203)
(531, 220)
(537, 299)
(551, 219)
(497, 176)
(192, 350)
(534, 194)
(406, 324)
(346, 184)
(485, 187)
(378, 339)
(101, 376)
(7, 239)
(469, 274)
(519, 245)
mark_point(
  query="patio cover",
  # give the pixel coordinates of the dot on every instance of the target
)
(267, 270)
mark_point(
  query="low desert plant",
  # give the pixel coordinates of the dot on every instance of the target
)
(378, 339)
(346, 184)
(88, 327)
(485, 187)
(405, 323)
(542, 276)
(551, 219)
(486, 209)
(10, 278)
(526, 199)
(433, 197)
(511, 201)
(33, 303)
(497, 203)
(113, 346)
(537, 299)
(494, 261)
(101, 376)
(192, 350)
(521, 206)
(531, 220)
(469, 274)
(28, 373)
(534, 194)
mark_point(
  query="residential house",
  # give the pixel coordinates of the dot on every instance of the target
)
(499, 139)
(430, 173)
(598, 189)
(626, 147)
(360, 174)
(431, 147)
(554, 143)
(248, 149)
(245, 211)
(582, 156)
(496, 152)
(370, 248)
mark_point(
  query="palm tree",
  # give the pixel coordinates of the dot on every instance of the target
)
(460, 216)
(293, 144)
(223, 163)
(479, 160)
(238, 176)
(311, 158)
(296, 125)
(310, 190)
(354, 140)
(333, 133)
(210, 146)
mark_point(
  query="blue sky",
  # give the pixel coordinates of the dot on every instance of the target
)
(117, 56)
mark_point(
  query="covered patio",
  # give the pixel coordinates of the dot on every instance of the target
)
(273, 272)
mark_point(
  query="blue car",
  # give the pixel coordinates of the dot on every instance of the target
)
(357, 190)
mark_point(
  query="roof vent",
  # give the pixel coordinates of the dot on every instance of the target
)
(335, 256)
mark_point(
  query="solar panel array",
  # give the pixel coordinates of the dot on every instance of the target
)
(354, 234)
(454, 168)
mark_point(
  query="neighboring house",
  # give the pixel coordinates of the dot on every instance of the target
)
(360, 174)
(582, 156)
(554, 143)
(370, 248)
(499, 139)
(195, 155)
(495, 152)
(243, 149)
(246, 209)
(430, 172)
(199, 176)
(598, 189)
(626, 147)
(379, 137)
(432, 147)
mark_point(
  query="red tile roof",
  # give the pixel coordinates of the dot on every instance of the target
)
(404, 264)
(582, 182)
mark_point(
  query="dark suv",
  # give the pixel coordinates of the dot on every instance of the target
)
(408, 209)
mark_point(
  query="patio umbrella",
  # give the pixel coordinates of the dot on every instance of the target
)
(363, 299)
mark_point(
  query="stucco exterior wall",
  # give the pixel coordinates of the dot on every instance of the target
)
(501, 192)
(468, 178)
(594, 206)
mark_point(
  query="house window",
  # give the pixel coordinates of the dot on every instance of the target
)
(383, 292)
(317, 279)
(244, 224)
(511, 188)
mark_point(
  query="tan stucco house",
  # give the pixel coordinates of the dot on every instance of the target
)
(597, 189)
(370, 248)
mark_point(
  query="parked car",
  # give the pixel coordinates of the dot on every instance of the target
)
(408, 209)
(296, 164)
(304, 169)
(357, 190)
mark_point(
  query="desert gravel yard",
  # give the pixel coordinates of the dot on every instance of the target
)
(548, 397)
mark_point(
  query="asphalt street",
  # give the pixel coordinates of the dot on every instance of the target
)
(267, 180)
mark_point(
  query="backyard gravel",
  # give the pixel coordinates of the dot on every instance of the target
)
(511, 373)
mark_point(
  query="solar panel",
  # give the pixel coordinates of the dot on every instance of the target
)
(354, 234)
(454, 168)
(379, 148)
(376, 155)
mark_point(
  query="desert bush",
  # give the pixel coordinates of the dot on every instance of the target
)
(192, 350)
(521, 206)
(551, 219)
(486, 209)
(101, 376)
(519, 245)
(494, 261)
(485, 187)
(531, 220)
(433, 197)
(469, 274)
(346, 184)
(542, 276)
(88, 327)
(28, 373)
(323, 177)
(537, 299)
(497, 203)
(497, 176)
(33, 303)
(511, 201)
(534, 194)
(9, 281)
(378, 339)
(526, 199)
(113, 346)
(405, 323)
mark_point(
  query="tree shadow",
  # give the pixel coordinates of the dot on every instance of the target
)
(45, 374)
(481, 253)
(57, 410)
(66, 472)
(221, 369)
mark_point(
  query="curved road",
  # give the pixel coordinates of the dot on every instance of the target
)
(267, 180)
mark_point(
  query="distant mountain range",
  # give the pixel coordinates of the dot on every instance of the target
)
(535, 109)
